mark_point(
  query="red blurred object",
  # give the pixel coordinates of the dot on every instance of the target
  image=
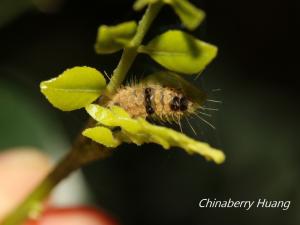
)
(73, 216)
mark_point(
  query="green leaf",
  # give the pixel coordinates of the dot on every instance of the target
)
(180, 52)
(111, 39)
(74, 88)
(140, 4)
(172, 79)
(139, 131)
(101, 135)
(190, 16)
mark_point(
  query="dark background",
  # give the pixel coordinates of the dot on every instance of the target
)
(257, 124)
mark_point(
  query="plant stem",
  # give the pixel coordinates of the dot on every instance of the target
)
(84, 150)
(120, 72)
(130, 52)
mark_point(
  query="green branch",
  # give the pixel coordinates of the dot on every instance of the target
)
(130, 53)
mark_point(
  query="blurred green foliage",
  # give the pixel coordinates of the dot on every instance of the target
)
(25, 123)
(11, 9)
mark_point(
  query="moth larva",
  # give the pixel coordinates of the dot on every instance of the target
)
(158, 98)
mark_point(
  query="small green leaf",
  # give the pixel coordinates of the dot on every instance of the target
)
(139, 131)
(101, 135)
(180, 52)
(111, 39)
(190, 16)
(112, 118)
(140, 4)
(74, 88)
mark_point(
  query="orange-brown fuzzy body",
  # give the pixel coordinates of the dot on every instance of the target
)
(154, 101)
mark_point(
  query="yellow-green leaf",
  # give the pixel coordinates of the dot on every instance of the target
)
(180, 52)
(140, 4)
(190, 16)
(111, 39)
(112, 118)
(101, 135)
(139, 131)
(176, 139)
(74, 88)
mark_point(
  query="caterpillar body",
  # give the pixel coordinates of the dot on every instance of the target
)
(159, 98)
(152, 101)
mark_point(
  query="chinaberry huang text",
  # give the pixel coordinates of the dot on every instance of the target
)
(247, 205)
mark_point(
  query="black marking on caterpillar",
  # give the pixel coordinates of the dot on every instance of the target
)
(148, 101)
(175, 103)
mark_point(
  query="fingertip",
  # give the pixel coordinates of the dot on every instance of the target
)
(21, 169)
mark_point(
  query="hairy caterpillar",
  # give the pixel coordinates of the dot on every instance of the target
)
(163, 96)
(153, 100)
